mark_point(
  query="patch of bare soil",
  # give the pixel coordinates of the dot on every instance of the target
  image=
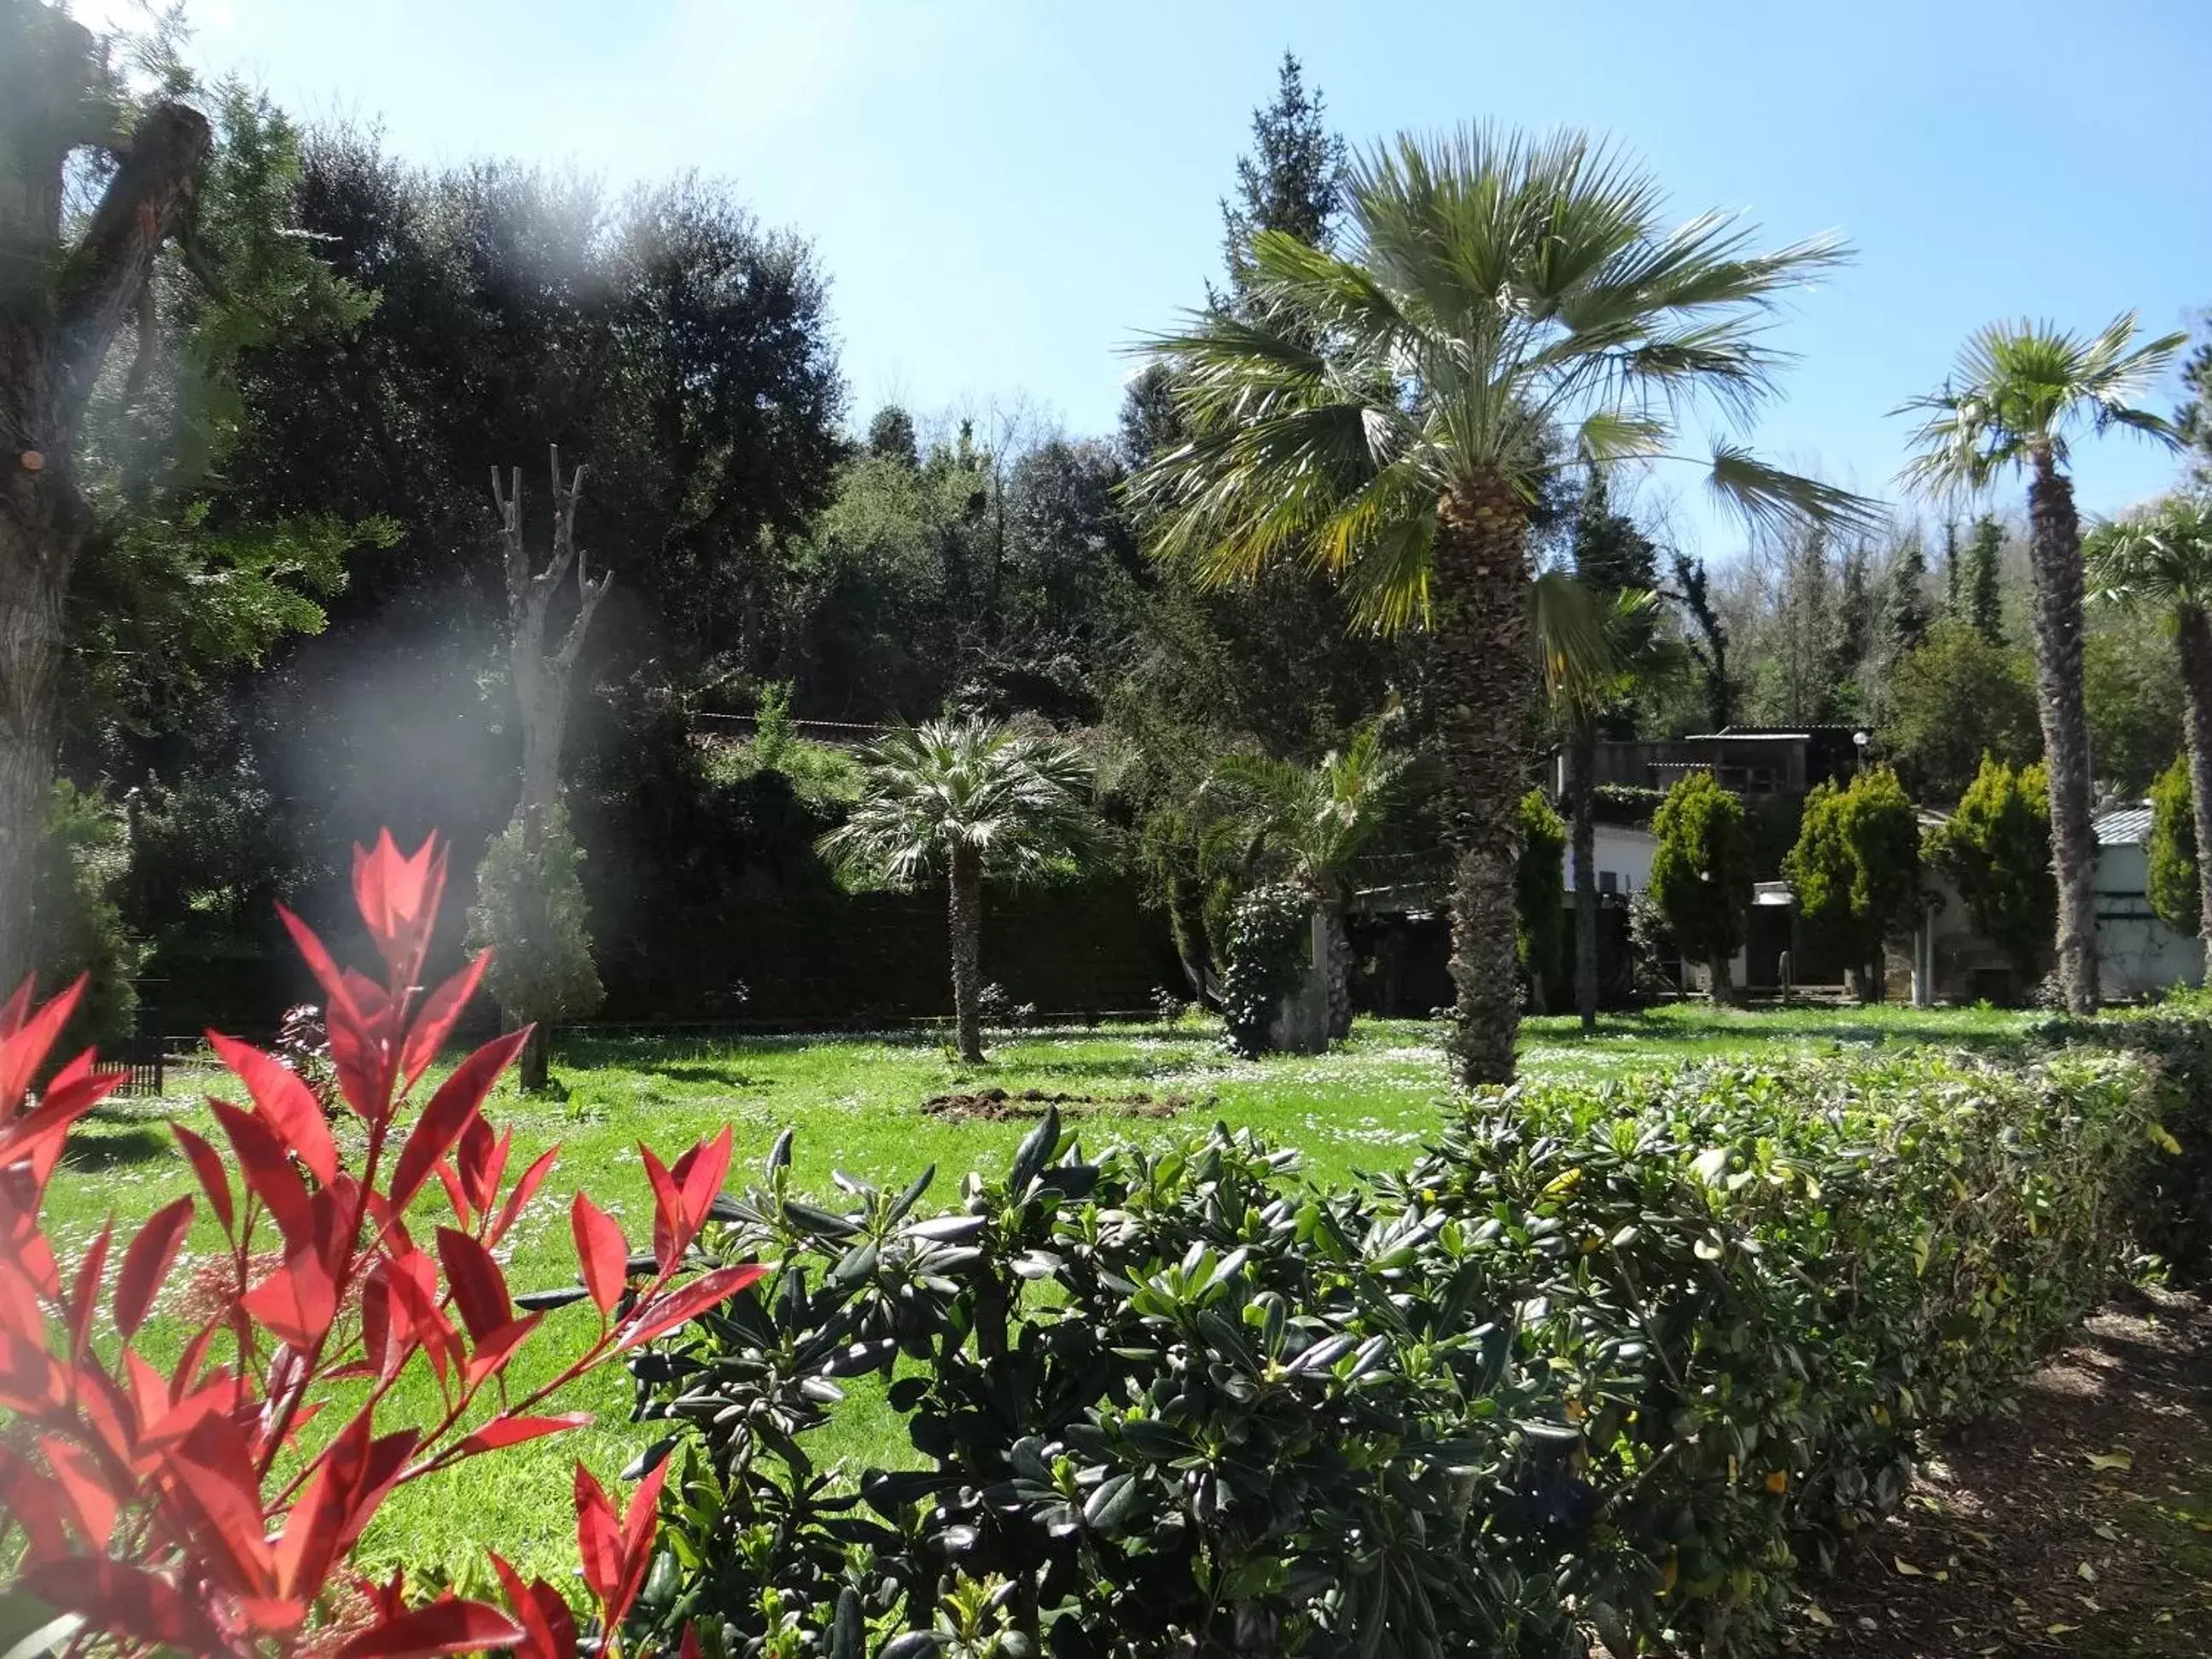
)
(2080, 1524)
(995, 1105)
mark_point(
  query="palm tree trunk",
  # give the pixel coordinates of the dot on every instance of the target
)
(1483, 670)
(1582, 765)
(2054, 544)
(964, 921)
(2195, 630)
(1337, 947)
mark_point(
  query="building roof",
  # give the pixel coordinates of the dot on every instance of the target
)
(1731, 735)
(2125, 826)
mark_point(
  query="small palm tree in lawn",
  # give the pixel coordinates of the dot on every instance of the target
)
(1591, 666)
(1317, 822)
(2162, 559)
(1502, 308)
(2019, 392)
(964, 797)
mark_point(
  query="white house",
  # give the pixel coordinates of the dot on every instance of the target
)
(1623, 858)
(2136, 953)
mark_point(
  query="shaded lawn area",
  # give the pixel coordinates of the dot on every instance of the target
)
(856, 1105)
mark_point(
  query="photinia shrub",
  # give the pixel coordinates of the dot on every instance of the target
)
(204, 1505)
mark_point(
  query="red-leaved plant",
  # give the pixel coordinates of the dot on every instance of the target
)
(191, 1508)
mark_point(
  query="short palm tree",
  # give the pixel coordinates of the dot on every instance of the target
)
(2018, 391)
(2162, 559)
(964, 797)
(1584, 677)
(1502, 308)
(1316, 822)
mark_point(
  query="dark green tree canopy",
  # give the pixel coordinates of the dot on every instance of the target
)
(1855, 867)
(1996, 850)
(1702, 873)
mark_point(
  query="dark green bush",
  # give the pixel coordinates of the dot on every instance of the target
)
(1269, 946)
(1617, 1364)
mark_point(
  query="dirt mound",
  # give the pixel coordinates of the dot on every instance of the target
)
(995, 1105)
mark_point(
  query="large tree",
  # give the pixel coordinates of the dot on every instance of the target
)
(1504, 309)
(2161, 560)
(1856, 869)
(68, 288)
(2019, 392)
(963, 798)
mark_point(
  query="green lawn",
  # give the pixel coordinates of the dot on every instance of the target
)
(856, 1104)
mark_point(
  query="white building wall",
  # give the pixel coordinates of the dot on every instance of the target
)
(2136, 953)
(1624, 854)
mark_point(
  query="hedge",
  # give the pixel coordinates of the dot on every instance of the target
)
(1623, 1363)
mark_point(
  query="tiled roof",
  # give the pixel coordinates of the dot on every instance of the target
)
(2128, 825)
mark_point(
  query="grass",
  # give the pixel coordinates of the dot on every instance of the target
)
(854, 1104)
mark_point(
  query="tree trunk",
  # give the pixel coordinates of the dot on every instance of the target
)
(1581, 824)
(34, 561)
(2195, 632)
(1723, 988)
(2056, 560)
(1336, 964)
(61, 307)
(1483, 670)
(964, 922)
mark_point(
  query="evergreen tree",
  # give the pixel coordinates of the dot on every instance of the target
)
(1996, 851)
(1905, 615)
(2173, 889)
(891, 436)
(1856, 615)
(1702, 873)
(1984, 606)
(1950, 567)
(1541, 895)
(1709, 648)
(1292, 182)
(1857, 869)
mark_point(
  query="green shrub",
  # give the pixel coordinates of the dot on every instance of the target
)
(1856, 868)
(1268, 949)
(2173, 851)
(1539, 894)
(77, 928)
(1702, 872)
(1616, 1362)
(1996, 850)
(530, 912)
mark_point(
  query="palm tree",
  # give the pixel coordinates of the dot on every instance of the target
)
(1504, 309)
(1583, 679)
(1317, 822)
(2163, 559)
(967, 797)
(2018, 391)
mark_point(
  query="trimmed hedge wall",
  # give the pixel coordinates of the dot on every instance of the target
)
(1622, 1364)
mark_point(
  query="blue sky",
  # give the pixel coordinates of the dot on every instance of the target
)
(1004, 196)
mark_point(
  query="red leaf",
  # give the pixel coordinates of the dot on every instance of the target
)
(513, 1431)
(673, 1308)
(480, 1287)
(17, 1008)
(297, 1301)
(448, 1114)
(638, 1528)
(599, 1538)
(497, 1347)
(83, 1485)
(398, 895)
(23, 1051)
(26, 1497)
(700, 1172)
(473, 1159)
(689, 1649)
(286, 1101)
(85, 1296)
(268, 1172)
(213, 1479)
(338, 997)
(214, 1180)
(146, 1263)
(457, 1197)
(435, 1023)
(122, 1601)
(523, 1191)
(415, 1292)
(601, 1252)
(550, 1628)
(36, 1137)
(447, 1626)
(669, 1238)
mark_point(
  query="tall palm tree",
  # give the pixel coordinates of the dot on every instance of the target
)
(1583, 677)
(963, 797)
(2162, 559)
(1317, 822)
(1502, 308)
(2017, 392)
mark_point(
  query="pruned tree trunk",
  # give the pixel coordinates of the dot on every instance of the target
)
(2056, 549)
(541, 679)
(1484, 671)
(1581, 843)
(2194, 628)
(964, 927)
(1723, 987)
(61, 308)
